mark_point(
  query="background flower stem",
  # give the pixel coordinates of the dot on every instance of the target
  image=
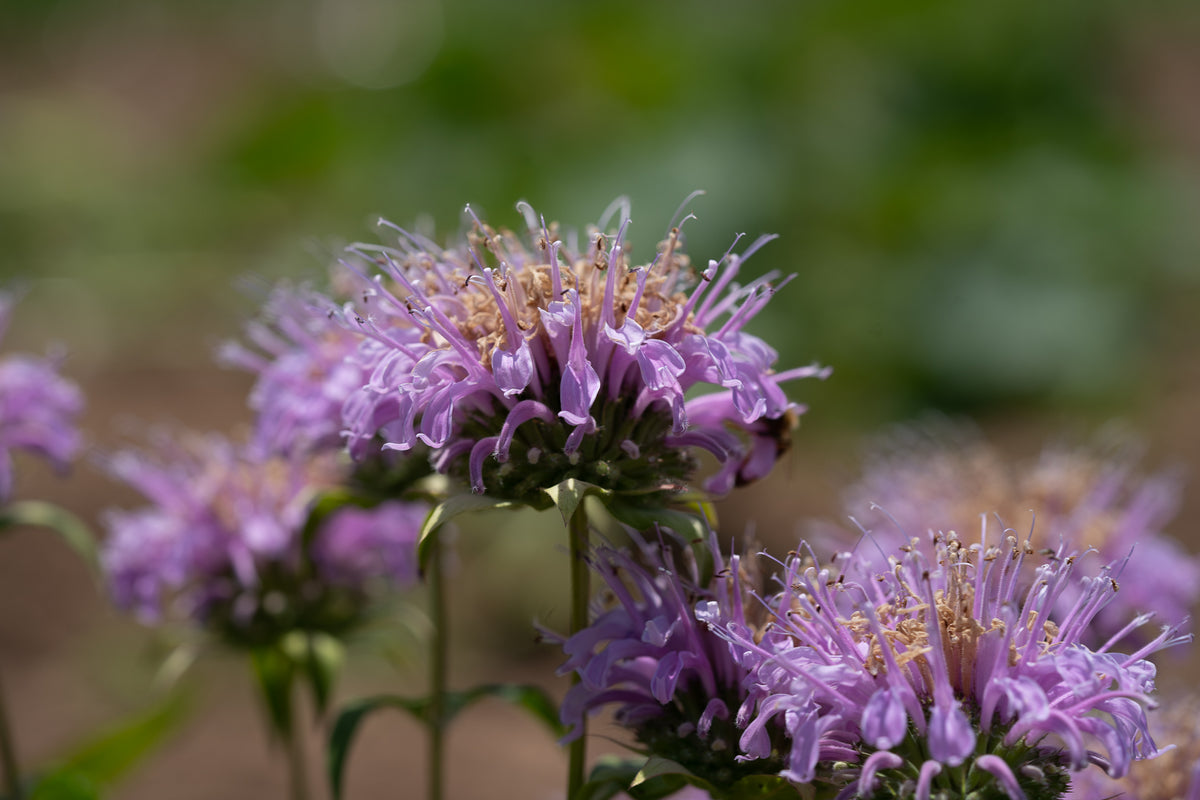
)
(437, 677)
(297, 763)
(8, 754)
(580, 574)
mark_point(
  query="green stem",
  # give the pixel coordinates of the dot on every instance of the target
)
(8, 755)
(297, 762)
(437, 677)
(580, 592)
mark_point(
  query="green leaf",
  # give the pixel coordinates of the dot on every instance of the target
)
(101, 761)
(656, 766)
(447, 510)
(532, 699)
(610, 776)
(319, 657)
(275, 672)
(345, 727)
(63, 784)
(766, 787)
(570, 493)
(108, 757)
(74, 532)
(690, 529)
(661, 777)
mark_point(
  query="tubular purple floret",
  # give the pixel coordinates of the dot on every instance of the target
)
(1168, 637)
(607, 313)
(522, 412)
(717, 290)
(482, 449)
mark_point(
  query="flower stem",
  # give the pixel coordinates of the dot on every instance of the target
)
(437, 676)
(297, 763)
(578, 535)
(8, 755)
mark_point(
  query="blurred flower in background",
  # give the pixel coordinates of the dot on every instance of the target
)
(305, 375)
(230, 542)
(39, 408)
(941, 477)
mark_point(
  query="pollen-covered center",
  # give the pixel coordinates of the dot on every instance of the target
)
(908, 624)
(525, 284)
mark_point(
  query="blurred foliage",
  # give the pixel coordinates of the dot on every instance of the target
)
(966, 191)
(89, 771)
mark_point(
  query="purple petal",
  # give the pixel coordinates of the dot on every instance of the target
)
(661, 365)
(513, 368)
(880, 759)
(884, 720)
(929, 771)
(951, 737)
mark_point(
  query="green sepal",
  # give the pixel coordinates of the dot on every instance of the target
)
(447, 510)
(318, 657)
(768, 787)
(661, 777)
(610, 776)
(532, 699)
(73, 531)
(568, 495)
(275, 673)
(690, 528)
(655, 778)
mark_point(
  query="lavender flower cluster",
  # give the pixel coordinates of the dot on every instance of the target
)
(38, 408)
(917, 660)
(522, 362)
(231, 541)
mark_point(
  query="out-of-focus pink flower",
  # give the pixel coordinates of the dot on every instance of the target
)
(38, 408)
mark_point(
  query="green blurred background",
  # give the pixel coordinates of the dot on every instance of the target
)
(992, 209)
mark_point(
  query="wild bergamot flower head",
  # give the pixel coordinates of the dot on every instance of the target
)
(38, 408)
(301, 357)
(945, 677)
(1094, 499)
(671, 681)
(230, 540)
(523, 360)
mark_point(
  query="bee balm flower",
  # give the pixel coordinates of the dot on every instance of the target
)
(229, 541)
(674, 684)
(1092, 498)
(301, 357)
(949, 678)
(524, 361)
(38, 409)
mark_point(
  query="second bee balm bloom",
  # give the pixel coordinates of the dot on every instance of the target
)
(523, 361)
